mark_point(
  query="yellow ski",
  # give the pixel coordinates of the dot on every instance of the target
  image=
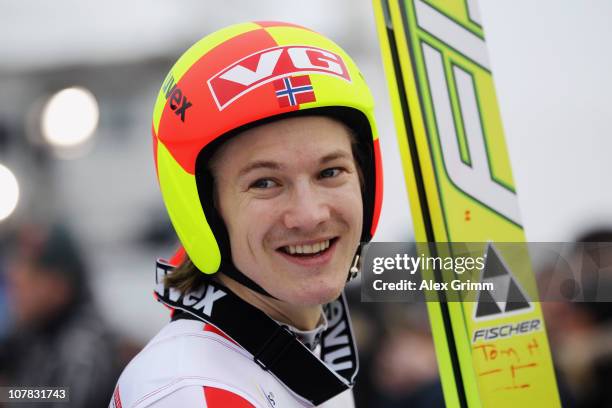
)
(491, 352)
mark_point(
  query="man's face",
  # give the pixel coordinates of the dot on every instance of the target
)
(289, 194)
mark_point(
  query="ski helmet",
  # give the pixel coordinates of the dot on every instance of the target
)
(239, 77)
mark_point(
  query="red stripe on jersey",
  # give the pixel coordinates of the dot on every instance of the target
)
(220, 398)
(213, 329)
(116, 398)
(156, 296)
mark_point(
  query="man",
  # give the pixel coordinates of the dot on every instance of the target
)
(58, 338)
(268, 162)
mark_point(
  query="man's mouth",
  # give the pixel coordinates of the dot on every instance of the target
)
(309, 250)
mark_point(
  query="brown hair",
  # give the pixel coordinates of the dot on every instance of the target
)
(186, 277)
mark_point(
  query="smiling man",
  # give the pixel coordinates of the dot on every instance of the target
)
(293, 212)
(271, 177)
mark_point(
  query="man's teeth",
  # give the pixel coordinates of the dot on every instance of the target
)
(307, 249)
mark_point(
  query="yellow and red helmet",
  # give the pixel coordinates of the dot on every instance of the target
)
(240, 76)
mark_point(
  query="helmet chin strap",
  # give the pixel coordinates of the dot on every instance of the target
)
(229, 269)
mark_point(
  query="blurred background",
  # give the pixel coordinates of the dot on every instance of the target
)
(78, 81)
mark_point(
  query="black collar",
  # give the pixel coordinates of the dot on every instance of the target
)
(273, 346)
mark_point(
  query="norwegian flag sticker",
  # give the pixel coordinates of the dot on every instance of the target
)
(292, 91)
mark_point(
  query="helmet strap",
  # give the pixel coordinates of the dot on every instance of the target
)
(229, 269)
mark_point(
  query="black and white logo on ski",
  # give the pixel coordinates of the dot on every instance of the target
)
(507, 297)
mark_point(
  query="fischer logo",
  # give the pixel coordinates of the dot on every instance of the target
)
(270, 64)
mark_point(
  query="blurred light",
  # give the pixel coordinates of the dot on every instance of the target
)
(9, 192)
(70, 117)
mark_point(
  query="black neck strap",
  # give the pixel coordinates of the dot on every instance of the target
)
(230, 270)
(273, 346)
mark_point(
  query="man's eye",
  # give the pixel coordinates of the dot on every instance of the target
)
(331, 172)
(263, 184)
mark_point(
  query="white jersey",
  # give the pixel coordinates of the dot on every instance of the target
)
(190, 363)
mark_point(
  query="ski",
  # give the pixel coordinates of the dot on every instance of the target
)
(491, 351)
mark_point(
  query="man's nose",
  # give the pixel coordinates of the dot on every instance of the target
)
(307, 209)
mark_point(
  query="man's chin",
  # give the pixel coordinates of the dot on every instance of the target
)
(318, 296)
